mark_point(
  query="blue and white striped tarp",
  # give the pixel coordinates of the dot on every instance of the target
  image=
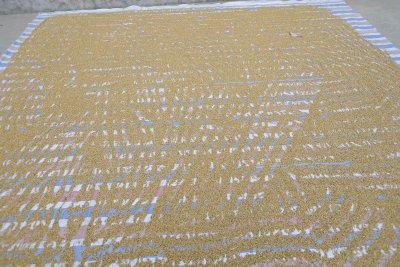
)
(337, 8)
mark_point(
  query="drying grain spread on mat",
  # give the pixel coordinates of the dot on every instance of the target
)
(264, 136)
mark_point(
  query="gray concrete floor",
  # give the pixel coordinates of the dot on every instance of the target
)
(11, 27)
(384, 14)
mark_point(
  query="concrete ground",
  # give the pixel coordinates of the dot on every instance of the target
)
(384, 14)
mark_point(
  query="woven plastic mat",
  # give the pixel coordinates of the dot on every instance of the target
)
(218, 135)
